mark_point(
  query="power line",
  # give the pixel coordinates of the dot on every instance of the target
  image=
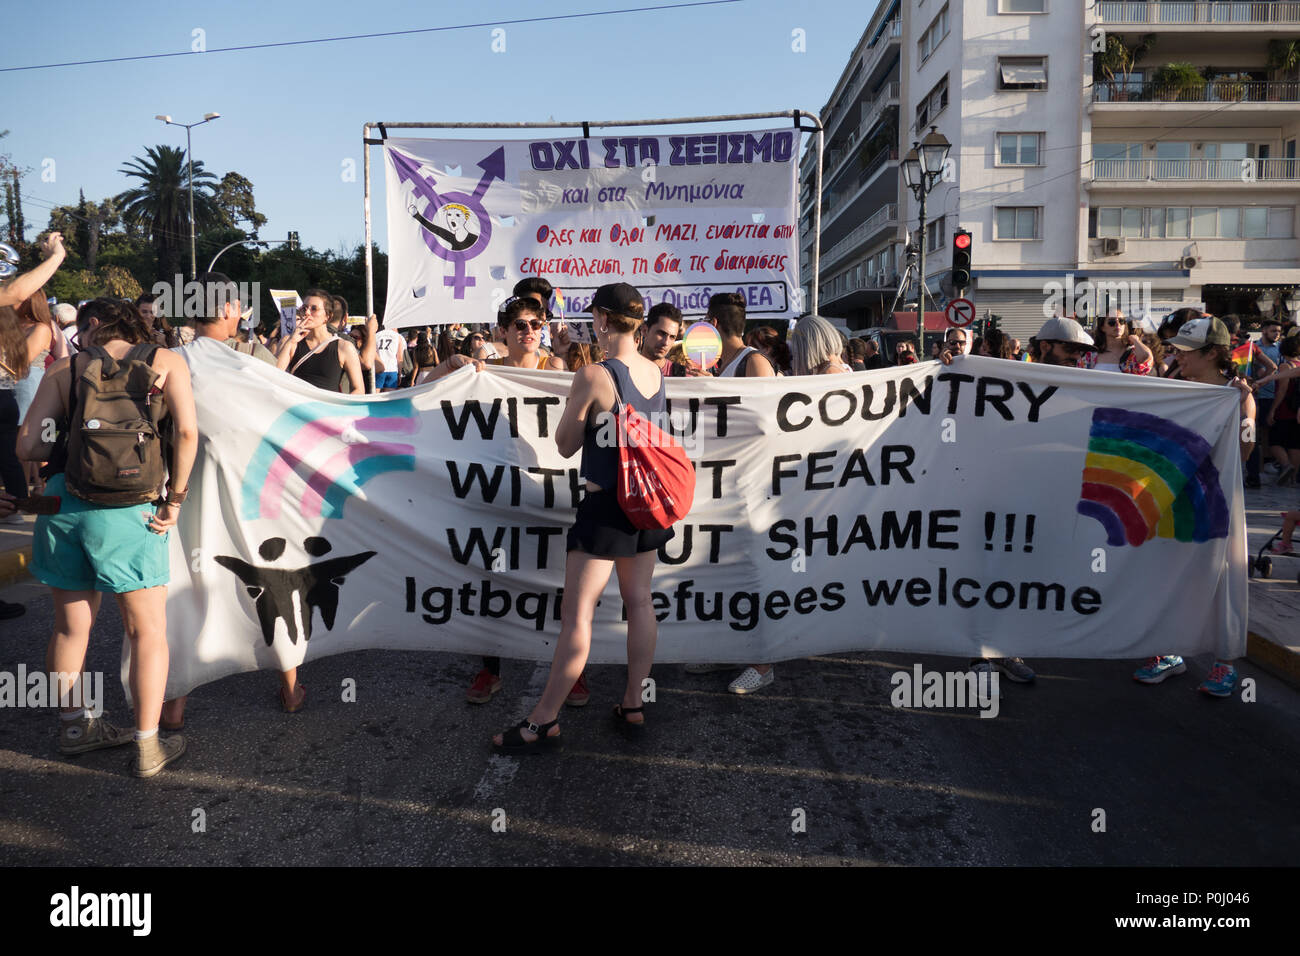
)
(371, 36)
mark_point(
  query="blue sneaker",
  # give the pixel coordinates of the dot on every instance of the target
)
(1221, 682)
(1157, 669)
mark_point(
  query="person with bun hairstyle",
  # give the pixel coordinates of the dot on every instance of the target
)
(602, 540)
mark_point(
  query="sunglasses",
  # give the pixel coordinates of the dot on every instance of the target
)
(956, 342)
(1071, 348)
(535, 325)
(1116, 322)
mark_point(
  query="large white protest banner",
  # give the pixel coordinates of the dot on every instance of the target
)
(680, 217)
(990, 508)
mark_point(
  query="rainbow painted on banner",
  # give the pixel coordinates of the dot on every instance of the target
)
(1147, 477)
(353, 460)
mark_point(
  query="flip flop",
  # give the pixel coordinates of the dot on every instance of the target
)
(300, 701)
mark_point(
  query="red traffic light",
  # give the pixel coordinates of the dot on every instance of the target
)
(961, 240)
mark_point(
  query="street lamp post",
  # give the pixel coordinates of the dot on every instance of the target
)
(189, 163)
(922, 167)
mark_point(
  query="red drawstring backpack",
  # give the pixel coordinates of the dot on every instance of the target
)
(656, 483)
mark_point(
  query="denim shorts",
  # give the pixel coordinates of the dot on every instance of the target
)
(90, 547)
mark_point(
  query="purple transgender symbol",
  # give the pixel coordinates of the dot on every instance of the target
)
(494, 167)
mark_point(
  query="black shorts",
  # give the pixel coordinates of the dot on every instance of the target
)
(1285, 434)
(603, 531)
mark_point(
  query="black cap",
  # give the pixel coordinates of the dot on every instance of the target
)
(617, 298)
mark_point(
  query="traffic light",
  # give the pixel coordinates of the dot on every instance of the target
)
(961, 240)
(293, 242)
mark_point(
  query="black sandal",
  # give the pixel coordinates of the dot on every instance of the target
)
(514, 744)
(620, 717)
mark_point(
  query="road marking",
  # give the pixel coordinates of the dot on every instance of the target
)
(501, 770)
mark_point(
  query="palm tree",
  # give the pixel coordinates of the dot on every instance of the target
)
(160, 204)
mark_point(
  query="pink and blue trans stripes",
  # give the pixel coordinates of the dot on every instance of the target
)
(299, 431)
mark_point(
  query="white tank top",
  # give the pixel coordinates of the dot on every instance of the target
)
(736, 364)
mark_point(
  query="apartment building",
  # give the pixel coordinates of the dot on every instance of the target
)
(1168, 178)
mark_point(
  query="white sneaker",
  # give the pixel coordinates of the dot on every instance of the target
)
(751, 680)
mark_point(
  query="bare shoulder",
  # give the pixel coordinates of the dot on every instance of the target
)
(590, 378)
(346, 348)
(169, 360)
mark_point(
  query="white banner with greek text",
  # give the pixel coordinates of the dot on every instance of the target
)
(680, 217)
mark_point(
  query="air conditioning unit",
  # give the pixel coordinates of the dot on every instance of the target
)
(1112, 246)
(1189, 262)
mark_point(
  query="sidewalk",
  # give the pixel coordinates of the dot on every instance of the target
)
(15, 549)
(1274, 641)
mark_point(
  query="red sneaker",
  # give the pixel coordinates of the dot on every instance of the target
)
(485, 685)
(579, 696)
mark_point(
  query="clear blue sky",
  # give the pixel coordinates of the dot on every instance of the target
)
(291, 116)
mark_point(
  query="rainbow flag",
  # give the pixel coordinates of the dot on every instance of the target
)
(559, 304)
(1145, 477)
(1244, 357)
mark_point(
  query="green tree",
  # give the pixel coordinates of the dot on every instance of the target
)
(234, 198)
(160, 204)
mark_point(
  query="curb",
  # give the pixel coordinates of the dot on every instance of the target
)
(1278, 659)
(14, 565)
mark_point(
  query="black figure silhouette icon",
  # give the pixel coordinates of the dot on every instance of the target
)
(294, 595)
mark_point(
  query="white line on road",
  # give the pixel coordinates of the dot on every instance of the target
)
(501, 770)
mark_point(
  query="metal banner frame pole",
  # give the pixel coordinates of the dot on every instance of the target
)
(797, 115)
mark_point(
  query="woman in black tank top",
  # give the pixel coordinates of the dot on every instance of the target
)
(313, 354)
(602, 540)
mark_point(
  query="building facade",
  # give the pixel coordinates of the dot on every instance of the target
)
(1139, 155)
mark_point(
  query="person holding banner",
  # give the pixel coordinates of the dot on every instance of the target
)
(738, 360)
(91, 547)
(314, 355)
(1205, 355)
(523, 320)
(602, 539)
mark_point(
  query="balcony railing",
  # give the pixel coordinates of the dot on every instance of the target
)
(1195, 170)
(835, 290)
(878, 220)
(870, 114)
(1200, 11)
(1214, 91)
(837, 201)
(891, 32)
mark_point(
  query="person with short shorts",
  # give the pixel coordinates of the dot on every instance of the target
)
(88, 549)
(602, 539)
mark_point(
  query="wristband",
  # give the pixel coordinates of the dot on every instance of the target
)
(176, 497)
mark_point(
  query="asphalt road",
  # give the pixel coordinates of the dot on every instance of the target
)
(405, 776)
